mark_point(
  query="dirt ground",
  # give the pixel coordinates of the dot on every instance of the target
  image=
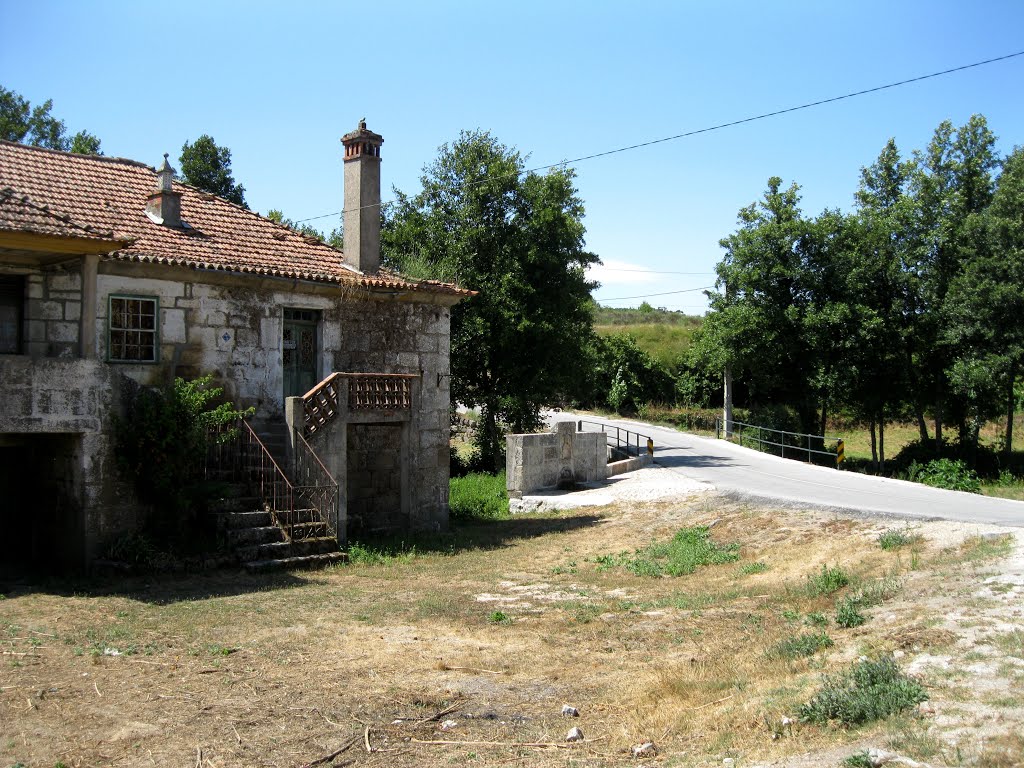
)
(464, 649)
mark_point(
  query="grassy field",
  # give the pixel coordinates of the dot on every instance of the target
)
(697, 625)
(663, 335)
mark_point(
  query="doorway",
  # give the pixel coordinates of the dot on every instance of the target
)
(299, 351)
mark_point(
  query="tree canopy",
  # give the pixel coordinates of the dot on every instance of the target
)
(21, 122)
(516, 237)
(208, 167)
(912, 304)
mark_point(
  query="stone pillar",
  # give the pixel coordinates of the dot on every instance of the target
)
(87, 321)
(295, 418)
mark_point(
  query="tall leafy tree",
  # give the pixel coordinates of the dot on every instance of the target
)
(21, 122)
(208, 167)
(885, 296)
(953, 179)
(758, 313)
(985, 305)
(517, 238)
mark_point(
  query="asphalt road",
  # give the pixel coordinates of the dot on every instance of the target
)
(745, 474)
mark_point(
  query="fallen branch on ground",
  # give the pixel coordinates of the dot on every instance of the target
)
(531, 744)
(330, 758)
(710, 703)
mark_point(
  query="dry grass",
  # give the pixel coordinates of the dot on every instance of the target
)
(226, 669)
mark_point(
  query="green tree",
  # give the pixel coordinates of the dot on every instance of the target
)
(757, 314)
(21, 122)
(517, 238)
(984, 307)
(208, 167)
(884, 294)
(84, 143)
(952, 179)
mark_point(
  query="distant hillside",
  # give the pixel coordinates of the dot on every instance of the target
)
(662, 334)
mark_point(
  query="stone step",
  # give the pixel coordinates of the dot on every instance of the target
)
(237, 504)
(288, 563)
(275, 550)
(246, 518)
(300, 548)
(239, 537)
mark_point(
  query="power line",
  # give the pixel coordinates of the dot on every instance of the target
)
(666, 293)
(648, 271)
(732, 123)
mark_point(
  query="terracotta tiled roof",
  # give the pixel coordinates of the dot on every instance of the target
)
(19, 214)
(108, 195)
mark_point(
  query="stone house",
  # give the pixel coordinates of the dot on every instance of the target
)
(113, 276)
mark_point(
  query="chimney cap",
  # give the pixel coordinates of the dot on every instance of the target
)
(164, 175)
(362, 134)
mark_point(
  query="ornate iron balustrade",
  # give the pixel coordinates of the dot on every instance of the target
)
(366, 391)
(303, 510)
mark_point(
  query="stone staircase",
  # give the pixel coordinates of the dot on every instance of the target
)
(260, 538)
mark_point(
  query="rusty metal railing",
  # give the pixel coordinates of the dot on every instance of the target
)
(314, 485)
(302, 510)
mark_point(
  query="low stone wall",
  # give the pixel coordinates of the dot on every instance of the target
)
(562, 458)
(629, 465)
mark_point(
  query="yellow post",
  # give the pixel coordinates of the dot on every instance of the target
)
(840, 454)
(650, 447)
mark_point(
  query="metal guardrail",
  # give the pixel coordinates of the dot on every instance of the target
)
(753, 435)
(631, 443)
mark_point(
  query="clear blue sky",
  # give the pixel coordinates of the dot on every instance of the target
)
(280, 83)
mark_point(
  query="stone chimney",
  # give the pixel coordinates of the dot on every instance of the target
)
(362, 198)
(164, 205)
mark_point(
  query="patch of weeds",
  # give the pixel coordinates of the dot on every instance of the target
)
(478, 496)
(829, 581)
(879, 591)
(366, 554)
(800, 646)
(816, 619)
(748, 569)
(1002, 751)
(221, 650)
(1010, 643)
(847, 615)
(753, 620)
(434, 606)
(499, 617)
(112, 641)
(685, 602)
(951, 474)
(895, 538)
(985, 547)
(1005, 702)
(689, 549)
(790, 615)
(913, 738)
(569, 567)
(872, 689)
(607, 562)
(583, 612)
(858, 760)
